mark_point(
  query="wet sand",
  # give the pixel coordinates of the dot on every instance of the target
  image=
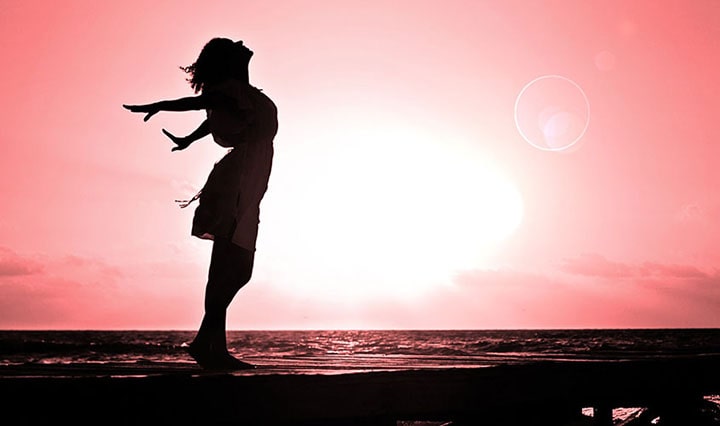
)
(533, 393)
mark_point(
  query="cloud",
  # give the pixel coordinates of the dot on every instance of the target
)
(12, 264)
(514, 298)
(672, 271)
(89, 293)
(702, 213)
(498, 277)
(655, 295)
(38, 290)
(690, 213)
(596, 265)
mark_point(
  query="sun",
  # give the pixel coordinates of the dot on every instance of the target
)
(391, 212)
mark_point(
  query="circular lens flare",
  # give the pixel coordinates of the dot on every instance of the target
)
(552, 113)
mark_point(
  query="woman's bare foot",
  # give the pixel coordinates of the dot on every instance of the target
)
(229, 362)
(203, 356)
(216, 360)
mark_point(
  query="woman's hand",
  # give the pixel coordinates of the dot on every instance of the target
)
(148, 109)
(181, 143)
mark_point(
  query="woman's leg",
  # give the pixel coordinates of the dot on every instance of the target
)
(230, 269)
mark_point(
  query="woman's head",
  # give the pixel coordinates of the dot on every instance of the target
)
(220, 59)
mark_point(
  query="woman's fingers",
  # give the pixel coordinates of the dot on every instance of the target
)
(178, 141)
(136, 108)
(149, 114)
(142, 108)
(170, 135)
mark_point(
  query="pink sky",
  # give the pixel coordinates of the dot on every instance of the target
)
(403, 194)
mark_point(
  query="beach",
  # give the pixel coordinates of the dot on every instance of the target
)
(342, 389)
(522, 394)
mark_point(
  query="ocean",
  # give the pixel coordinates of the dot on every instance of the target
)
(358, 349)
(342, 351)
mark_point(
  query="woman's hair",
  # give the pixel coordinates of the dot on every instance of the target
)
(217, 61)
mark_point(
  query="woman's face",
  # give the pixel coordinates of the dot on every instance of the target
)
(243, 51)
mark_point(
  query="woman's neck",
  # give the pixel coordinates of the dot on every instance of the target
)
(243, 77)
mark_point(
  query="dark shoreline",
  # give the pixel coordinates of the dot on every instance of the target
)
(529, 394)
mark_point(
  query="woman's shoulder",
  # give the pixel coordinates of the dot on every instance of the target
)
(230, 86)
(231, 90)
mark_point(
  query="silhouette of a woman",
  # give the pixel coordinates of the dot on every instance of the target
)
(242, 118)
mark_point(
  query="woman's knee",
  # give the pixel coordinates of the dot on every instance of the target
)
(243, 277)
(243, 265)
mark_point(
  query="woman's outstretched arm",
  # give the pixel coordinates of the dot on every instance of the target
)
(182, 104)
(184, 142)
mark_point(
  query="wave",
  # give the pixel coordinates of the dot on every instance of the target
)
(457, 347)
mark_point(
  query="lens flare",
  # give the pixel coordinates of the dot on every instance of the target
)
(552, 113)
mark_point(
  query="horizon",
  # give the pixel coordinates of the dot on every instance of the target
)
(438, 166)
(378, 329)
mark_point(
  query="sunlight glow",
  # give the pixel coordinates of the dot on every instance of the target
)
(394, 212)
